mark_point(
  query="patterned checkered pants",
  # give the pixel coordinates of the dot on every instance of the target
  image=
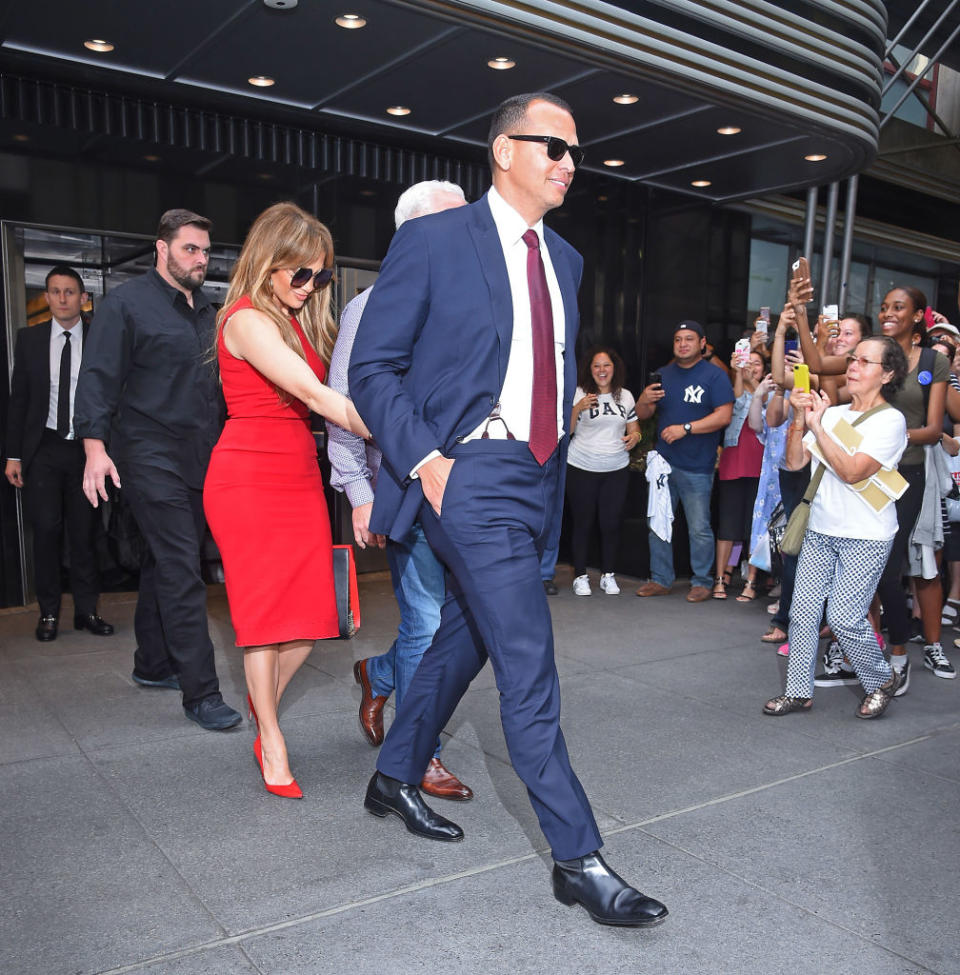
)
(845, 573)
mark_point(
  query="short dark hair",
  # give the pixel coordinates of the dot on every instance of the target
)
(866, 329)
(892, 359)
(585, 378)
(62, 271)
(173, 220)
(510, 114)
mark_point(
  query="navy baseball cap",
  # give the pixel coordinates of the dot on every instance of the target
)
(690, 326)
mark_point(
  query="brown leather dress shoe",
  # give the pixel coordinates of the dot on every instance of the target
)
(698, 594)
(371, 707)
(652, 588)
(440, 784)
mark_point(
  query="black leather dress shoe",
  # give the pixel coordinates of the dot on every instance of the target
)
(213, 713)
(550, 587)
(94, 624)
(47, 628)
(606, 897)
(386, 795)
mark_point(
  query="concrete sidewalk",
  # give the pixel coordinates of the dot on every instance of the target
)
(133, 841)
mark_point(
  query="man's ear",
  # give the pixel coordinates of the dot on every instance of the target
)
(503, 151)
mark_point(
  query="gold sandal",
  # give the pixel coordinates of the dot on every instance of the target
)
(876, 702)
(779, 706)
(719, 588)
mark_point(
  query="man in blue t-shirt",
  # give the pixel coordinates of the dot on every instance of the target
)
(694, 402)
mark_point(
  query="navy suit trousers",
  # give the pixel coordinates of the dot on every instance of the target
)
(495, 522)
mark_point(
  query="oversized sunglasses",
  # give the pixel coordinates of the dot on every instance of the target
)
(303, 274)
(556, 148)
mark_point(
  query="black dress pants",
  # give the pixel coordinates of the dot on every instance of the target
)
(793, 486)
(171, 616)
(53, 500)
(596, 496)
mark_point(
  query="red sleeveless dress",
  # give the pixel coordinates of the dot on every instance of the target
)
(263, 498)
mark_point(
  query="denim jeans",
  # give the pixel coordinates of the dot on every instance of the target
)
(692, 489)
(418, 585)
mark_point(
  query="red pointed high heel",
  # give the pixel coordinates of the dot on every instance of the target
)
(252, 713)
(291, 791)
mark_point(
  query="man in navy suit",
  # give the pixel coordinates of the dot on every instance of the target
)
(464, 370)
(45, 459)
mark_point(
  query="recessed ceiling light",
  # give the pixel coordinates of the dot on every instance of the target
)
(612, 162)
(150, 157)
(729, 130)
(626, 99)
(815, 157)
(350, 21)
(701, 182)
(261, 81)
(98, 44)
(398, 110)
(501, 64)
(21, 137)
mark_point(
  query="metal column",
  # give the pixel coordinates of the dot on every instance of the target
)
(850, 213)
(828, 236)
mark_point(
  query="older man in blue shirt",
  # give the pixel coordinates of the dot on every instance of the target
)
(417, 575)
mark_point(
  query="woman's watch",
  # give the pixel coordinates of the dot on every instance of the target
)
(687, 428)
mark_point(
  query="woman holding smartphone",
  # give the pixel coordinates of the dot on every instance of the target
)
(604, 428)
(922, 403)
(738, 475)
(847, 541)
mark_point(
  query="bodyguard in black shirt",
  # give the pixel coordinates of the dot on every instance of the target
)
(148, 389)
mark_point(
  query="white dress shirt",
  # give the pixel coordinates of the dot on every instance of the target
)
(57, 341)
(516, 397)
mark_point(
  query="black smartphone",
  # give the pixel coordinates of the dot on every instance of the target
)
(654, 379)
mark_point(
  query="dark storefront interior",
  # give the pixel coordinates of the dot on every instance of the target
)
(102, 150)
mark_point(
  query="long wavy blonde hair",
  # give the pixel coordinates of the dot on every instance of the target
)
(284, 236)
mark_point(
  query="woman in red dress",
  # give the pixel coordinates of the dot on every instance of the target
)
(263, 495)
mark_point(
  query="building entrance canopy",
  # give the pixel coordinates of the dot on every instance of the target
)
(727, 100)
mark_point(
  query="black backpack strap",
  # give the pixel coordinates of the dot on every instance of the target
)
(928, 359)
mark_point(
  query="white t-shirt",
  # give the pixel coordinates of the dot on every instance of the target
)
(836, 509)
(597, 445)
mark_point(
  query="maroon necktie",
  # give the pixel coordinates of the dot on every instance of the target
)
(543, 405)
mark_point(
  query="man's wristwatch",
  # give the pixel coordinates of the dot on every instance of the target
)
(687, 428)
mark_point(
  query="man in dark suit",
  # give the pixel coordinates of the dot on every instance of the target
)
(45, 459)
(149, 390)
(464, 370)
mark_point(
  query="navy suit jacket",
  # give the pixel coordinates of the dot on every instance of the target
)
(431, 351)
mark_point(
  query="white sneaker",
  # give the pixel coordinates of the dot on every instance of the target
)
(581, 586)
(608, 584)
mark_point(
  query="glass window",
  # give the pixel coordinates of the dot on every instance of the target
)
(885, 279)
(769, 263)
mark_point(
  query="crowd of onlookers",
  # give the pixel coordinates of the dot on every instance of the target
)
(785, 375)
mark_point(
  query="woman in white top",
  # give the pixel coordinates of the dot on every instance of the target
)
(605, 429)
(847, 541)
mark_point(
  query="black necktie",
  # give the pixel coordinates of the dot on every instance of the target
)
(63, 393)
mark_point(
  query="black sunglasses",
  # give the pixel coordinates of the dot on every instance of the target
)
(303, 274)
(556, 148)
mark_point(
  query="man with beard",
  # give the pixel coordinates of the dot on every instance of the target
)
(149, 389)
